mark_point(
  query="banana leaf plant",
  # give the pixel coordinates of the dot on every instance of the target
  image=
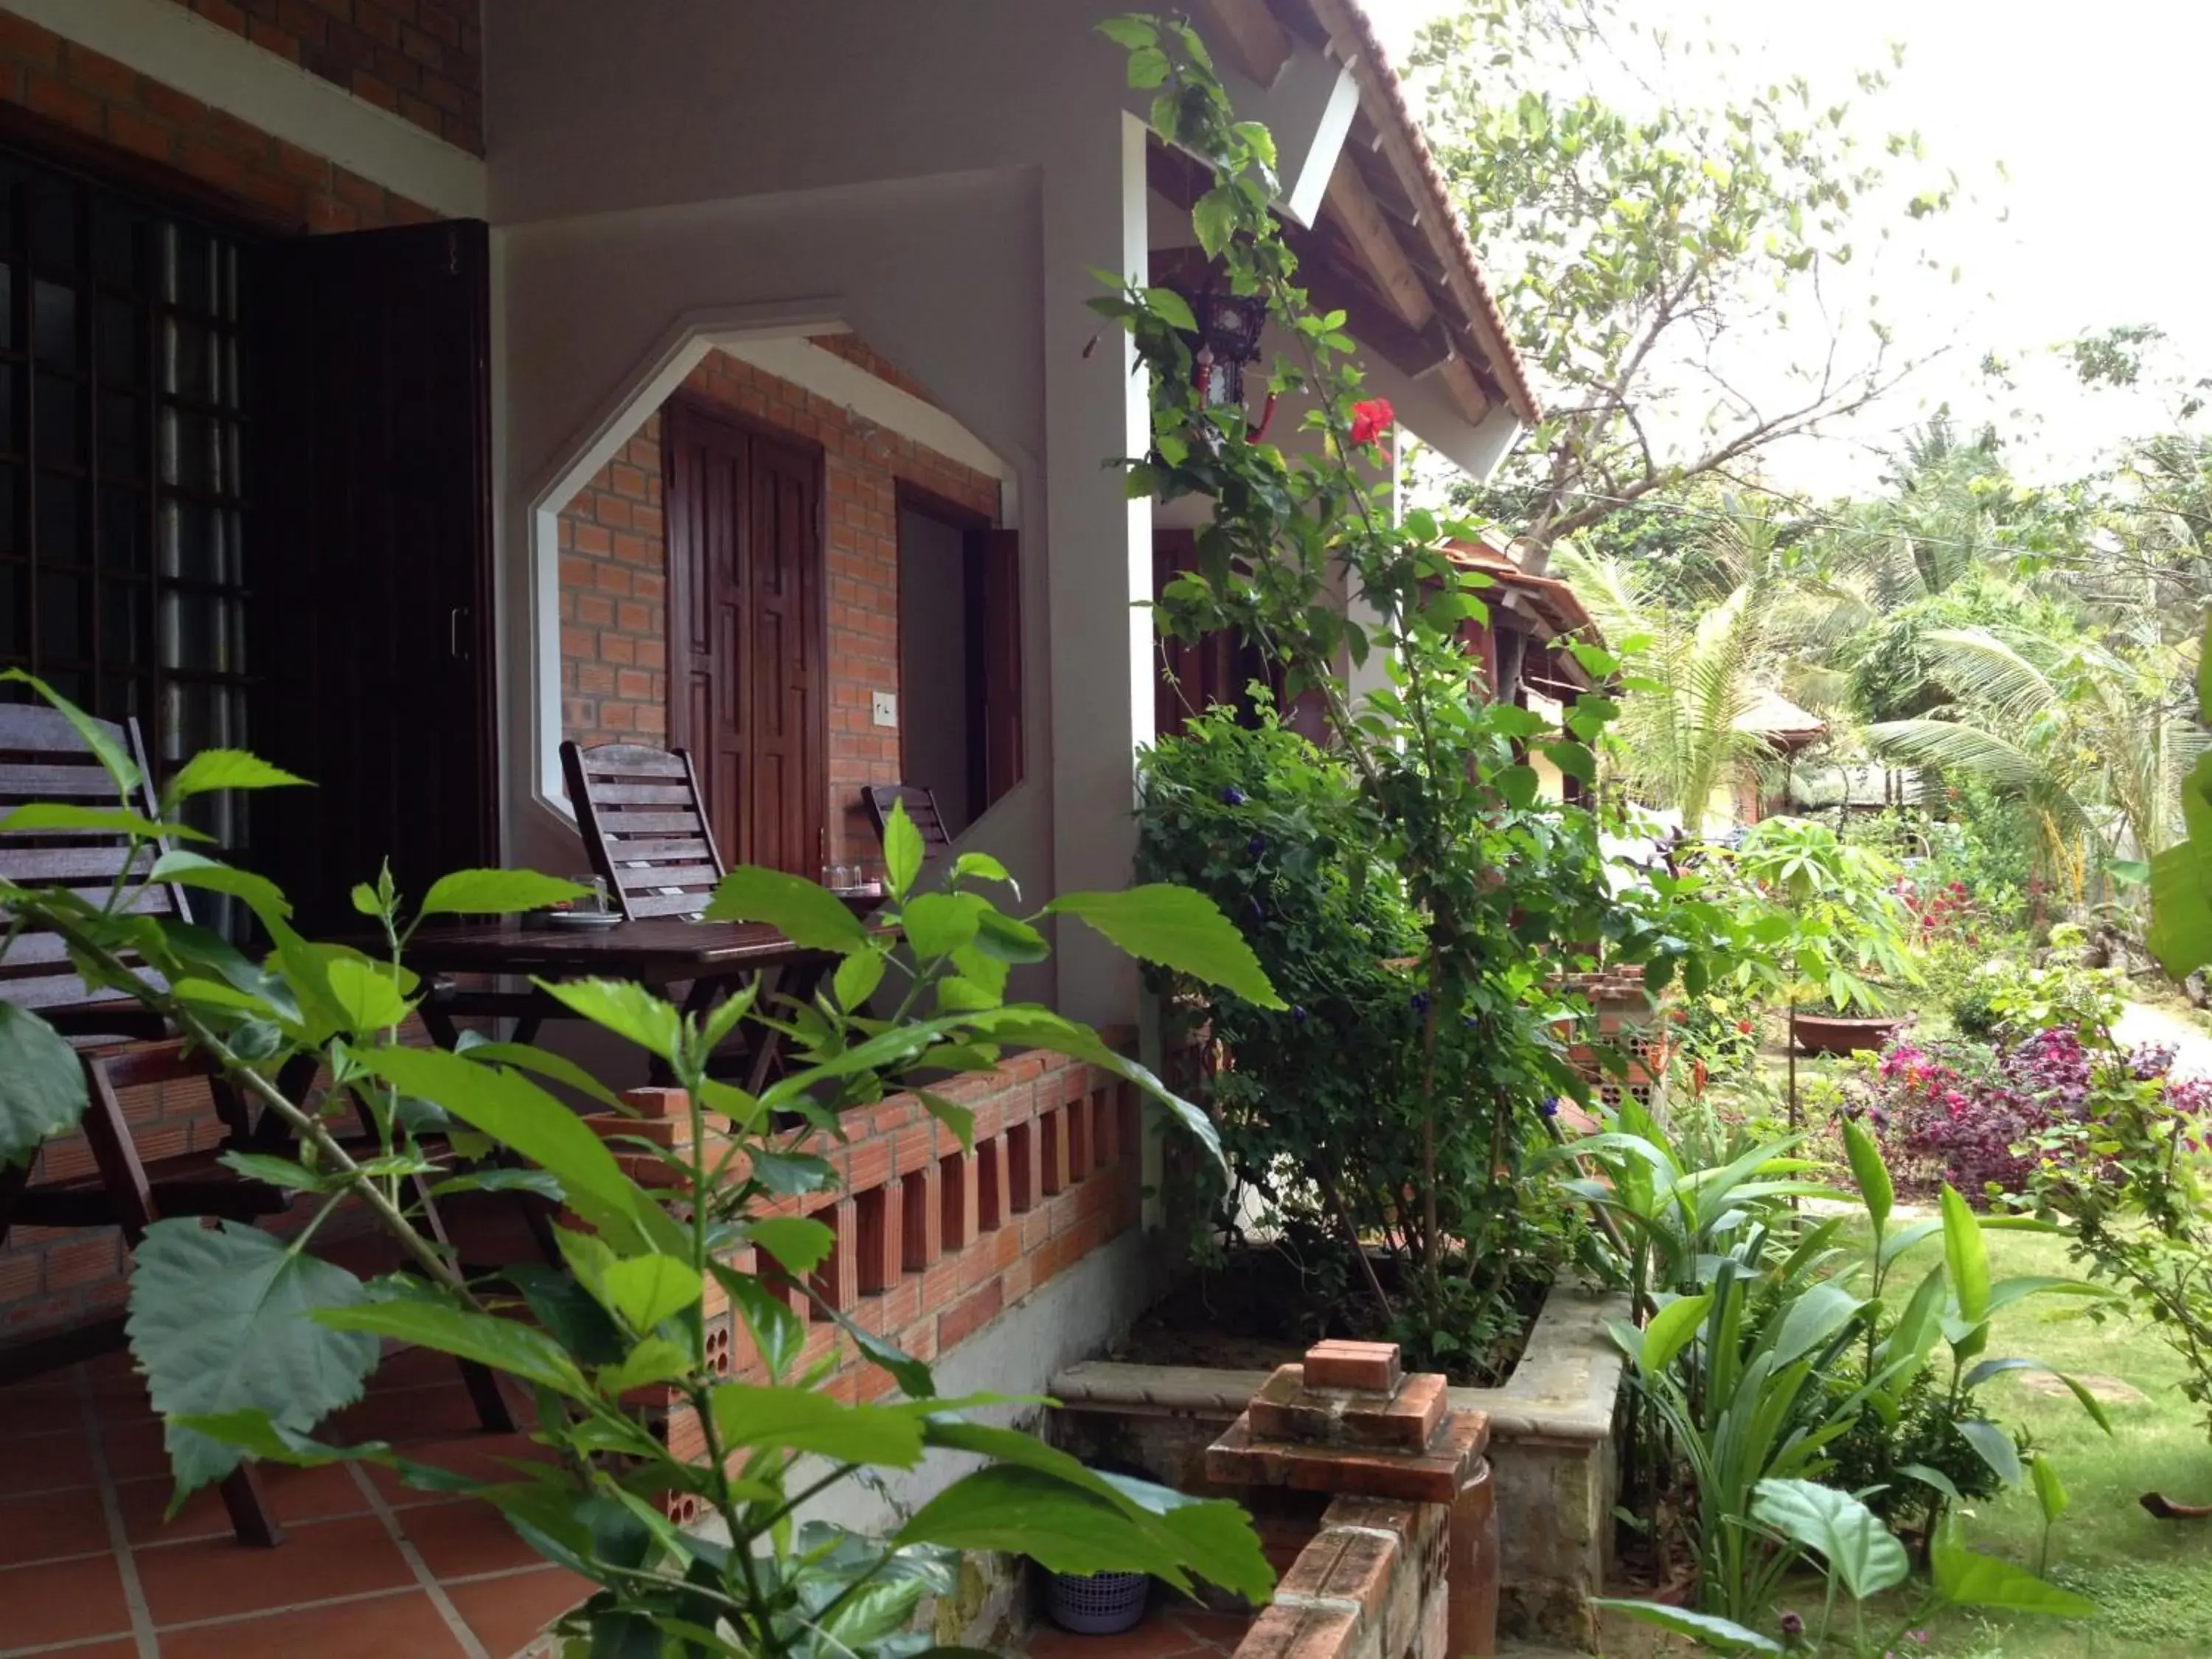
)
(247, 1341)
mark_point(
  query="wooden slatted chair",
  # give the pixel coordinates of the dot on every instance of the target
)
(920, 807)
(644, 826)
(123, 1045)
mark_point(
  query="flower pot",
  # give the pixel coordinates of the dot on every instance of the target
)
(1839, 1034)
(1098, 1603)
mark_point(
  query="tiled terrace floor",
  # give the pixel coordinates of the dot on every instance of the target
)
(368, 1570)
(1168, 1630)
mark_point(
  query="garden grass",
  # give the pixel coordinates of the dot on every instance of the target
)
(2152, 1580)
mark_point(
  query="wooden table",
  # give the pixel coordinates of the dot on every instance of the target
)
(658, 953)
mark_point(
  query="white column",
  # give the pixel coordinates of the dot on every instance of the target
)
(1099, 548)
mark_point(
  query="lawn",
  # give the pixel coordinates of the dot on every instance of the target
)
(2152, 1580)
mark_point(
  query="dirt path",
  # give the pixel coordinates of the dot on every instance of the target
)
(2192, 1049)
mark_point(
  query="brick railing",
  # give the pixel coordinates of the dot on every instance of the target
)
(933, 1241)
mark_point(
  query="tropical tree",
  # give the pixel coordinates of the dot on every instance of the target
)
(1693, 660)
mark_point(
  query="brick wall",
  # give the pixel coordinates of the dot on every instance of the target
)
(933, 1243)
(96, 97)
(612, 538)
(423, 59)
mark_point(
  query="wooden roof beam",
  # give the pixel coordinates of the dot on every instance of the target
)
(1254, 41)
(1363, 224)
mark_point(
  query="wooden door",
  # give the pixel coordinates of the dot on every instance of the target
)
(371, 539)
(746, 632)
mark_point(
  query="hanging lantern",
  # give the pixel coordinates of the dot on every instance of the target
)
(1228, 341)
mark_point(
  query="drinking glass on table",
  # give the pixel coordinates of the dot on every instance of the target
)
(591, 903)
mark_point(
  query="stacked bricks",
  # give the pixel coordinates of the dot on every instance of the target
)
(1625, 1021)
(610, 692)
(421, 60)
(932, 1241)
(614, 600)
(93, 96)
(1404, 1562)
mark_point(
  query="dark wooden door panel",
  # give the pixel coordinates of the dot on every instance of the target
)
(746, 581)
(372, 490)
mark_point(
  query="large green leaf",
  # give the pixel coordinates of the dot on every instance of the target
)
(1968, 1579)
(1065, 1528)
(53, 815)
(803, 913)
(1966, 1256)
(1177, 929)
(902, 850)
(496, 892)
(1870, 1172)
(2088, 1401)
(2049, 1490)
(365, 991)
(627, 1009)
(807, 1419)
(519, 1114)
(505, 1345)
(222, 1319)
(1858, 1549)
(1994, 1447)
(1709, 1629)
(260, 895)
(647, 1289)
(798, 1243)
(225, 769)
(938, 924)
(42, 1090)
(1670, 1331)
(1818, 1312)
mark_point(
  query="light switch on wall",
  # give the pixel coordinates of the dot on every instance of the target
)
(886, 707)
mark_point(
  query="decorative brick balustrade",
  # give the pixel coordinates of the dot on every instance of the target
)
(1404, 1564)
(934, 1242)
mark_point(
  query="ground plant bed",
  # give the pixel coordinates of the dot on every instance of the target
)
(1261, 1308)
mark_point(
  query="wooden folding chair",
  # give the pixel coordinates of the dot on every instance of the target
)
(43, 757)
(920, 807)
(645, 827)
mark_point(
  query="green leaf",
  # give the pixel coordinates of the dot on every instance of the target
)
(2049, 1490)
(1176, 928)
(913, 1376)
(798, 1243)
(222, 1320)
(111, 754)
(1968, 1579)
(42, 1087)
(1062, 1527)
(1670, 1331)
(773, 1325)
(287, 1173)
(857, 977)
(1002, 939)
(938, 924)
(1816, 1314)
(1517, 784)
(496, 892)
(902, 850)
(226, 769)
(260, 895)
(985, 868)
(647, 1289)
(366, 995)
(1171, 308)
(953, 1115)
(518, 1114)
(655, 1359)
(622, 1007)
(1870, 1172)
(542, 1061)
(1994, 1447)
(1213, 220)
(2089, 1402)
(49, 815)
(505, 1345)
(1709, 1629)
(1131, 32)
(1858, 1549)
(1932, 1477)
(804, 914)
(805, 1419)
(1966, 1256)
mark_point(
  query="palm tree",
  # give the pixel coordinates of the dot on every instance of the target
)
(2087, 737)
(1694, 671)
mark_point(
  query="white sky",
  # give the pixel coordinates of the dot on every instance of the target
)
(2096, 115)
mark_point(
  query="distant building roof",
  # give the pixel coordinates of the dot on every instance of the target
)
(1780, 722)
(1545, 600)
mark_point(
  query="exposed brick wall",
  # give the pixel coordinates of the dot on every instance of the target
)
(610, 691)
(96, 97)
(423, 59)
(933, 1242)
(614, 600)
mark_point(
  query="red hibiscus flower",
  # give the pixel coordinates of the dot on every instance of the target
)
(1370, 419)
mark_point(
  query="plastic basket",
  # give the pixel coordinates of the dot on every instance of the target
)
(1098, 1603)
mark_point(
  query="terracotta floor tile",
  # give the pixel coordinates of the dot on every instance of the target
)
(458, 1540)
(38, 1409)
(63, 1601)
(1220, 1630)
(214, 1577)
(55, 1523)
(405, 1627)
(403, 1415)
(45, 1460)
(485, 1455)
(1156, 1637)
(507, 1613)
(295, 1495)
(125, 1649)
(135, 1450)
